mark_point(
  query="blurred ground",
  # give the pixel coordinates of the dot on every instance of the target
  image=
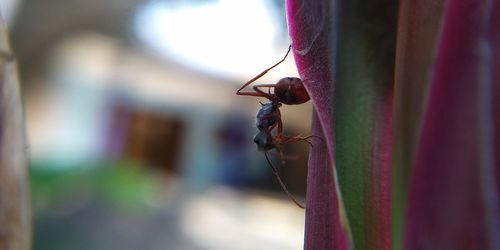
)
(121, 208)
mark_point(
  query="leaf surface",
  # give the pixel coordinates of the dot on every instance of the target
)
(453, 192)
(363, 103)
(345, 55)
(311, 29)
(419, 24)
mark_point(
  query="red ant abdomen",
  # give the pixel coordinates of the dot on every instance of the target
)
(290, 90)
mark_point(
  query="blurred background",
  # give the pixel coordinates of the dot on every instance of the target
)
(136, 137)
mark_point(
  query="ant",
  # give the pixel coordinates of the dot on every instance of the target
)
(289, 91)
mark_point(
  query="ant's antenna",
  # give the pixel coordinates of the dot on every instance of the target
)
(263, 73)
(275, 172)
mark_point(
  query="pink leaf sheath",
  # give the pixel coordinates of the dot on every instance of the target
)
(494, 35)
(419, 24)
(453, 192)
(323, 228)
(309, 28)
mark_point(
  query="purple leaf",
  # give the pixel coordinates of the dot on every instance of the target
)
(419, 23)
(452, 199)
(323, 228)
(363, 103)
(494, 33)
(310, 26)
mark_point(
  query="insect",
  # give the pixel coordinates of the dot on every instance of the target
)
(289, 91)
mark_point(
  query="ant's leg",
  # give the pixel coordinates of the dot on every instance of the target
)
(289, 139)
(280, 130)
(239, 92)
(269, 86)
(283, 186)
(257, 94)
(280, 144)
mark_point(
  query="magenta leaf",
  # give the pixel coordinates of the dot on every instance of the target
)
(419, 24)
(494, 34)
(453, 193)
(445, 132)
(363, 103)
(323, 227)
(310, 25)
(345, 56)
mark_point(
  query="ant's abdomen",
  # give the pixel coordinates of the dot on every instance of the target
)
(290, 90)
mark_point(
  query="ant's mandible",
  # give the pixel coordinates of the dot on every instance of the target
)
(288, 90)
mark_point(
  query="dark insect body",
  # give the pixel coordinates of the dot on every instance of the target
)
(289, 91)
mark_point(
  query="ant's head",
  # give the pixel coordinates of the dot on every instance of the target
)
(264, 141)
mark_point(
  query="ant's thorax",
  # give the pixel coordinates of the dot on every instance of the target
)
(268, 115)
